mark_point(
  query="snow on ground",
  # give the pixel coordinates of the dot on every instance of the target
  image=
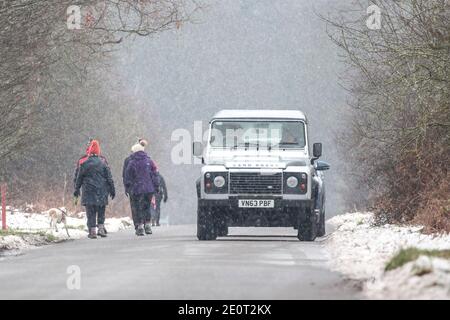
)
(28, 230)
(360, 250)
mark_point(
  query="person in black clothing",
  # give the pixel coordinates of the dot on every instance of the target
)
(161, 195)
(81, 161)
(95, 180)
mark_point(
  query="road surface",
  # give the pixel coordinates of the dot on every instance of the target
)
(252, 263)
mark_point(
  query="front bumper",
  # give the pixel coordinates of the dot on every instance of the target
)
(286, 213)
(232, 203)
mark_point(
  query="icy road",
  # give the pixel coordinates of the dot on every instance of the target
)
(251, 263)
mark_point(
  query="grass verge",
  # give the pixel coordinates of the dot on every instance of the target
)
(411, 254)
(14, 232)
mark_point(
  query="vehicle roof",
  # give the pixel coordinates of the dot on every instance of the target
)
(260, 114)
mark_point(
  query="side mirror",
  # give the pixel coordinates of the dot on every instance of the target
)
(197, 149)
(317, 150)
(322, 166)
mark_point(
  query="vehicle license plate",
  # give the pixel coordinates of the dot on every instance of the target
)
(256, 203)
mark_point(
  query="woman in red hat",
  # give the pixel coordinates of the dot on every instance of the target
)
(95, 181)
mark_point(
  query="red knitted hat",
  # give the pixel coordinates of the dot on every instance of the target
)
(94, 148)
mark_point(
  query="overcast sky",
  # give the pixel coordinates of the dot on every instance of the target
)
(237, 54)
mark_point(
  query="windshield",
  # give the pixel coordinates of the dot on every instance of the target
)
(259, 134)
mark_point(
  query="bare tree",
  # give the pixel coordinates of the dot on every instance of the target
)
(54, 83)
(399, 129)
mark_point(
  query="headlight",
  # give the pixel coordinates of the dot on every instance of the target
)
(292, 182)
(216, 182)
(219, 181)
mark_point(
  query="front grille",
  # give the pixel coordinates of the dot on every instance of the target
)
(255, 183)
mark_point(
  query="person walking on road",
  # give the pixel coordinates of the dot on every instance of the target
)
(141, 182)
(96, 183)
(127, 192)
(80, 161)
(161, 195)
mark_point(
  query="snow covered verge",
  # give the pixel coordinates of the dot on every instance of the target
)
(29, 230)
(418, 265)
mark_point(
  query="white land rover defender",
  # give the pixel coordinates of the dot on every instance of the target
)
(258, 170)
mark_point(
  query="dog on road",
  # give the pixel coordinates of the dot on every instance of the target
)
(58, 215)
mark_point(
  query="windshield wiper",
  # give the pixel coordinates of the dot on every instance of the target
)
(281, 144)
(246, 145)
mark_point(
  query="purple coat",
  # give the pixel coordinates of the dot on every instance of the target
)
(141, 174)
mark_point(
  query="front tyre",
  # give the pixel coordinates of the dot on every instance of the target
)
(307, 226)
(205, 224)
(321, 225)
(222, 230)
(220, 222)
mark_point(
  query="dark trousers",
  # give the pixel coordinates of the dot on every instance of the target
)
(133, 213)
(140, 208)
(95, 215)
(157, 211)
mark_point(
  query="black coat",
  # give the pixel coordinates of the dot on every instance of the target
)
(96, 182)
(162, 194)
(79, 163)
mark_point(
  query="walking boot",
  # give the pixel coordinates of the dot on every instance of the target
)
(101, 231)
(148, 228)
(140, 230)
(92, 233)
(106, 231)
